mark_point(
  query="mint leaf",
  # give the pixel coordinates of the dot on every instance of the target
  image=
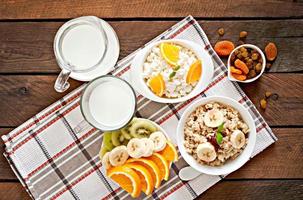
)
(177, 68)
(219, 138)
(171, 75)
(220, 128)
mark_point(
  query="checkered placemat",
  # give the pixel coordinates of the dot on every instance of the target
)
(55, 153)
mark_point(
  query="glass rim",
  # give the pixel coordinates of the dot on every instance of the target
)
(63, 30)
(82, 102)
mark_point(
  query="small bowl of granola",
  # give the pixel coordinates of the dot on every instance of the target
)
(216, 135)
(171, 71)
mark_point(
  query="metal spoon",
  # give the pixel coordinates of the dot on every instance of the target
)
(188, 173)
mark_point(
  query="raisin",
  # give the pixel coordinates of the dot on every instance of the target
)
(263, 104)
(213, 141)
(244, 54)
(255, 56)
(243, 34)
(268, 94)
(258, 68)
(252, 74)
(221, 31)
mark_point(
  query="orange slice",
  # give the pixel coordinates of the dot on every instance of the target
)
(157, 85)
(169, 152)
(194, 72)
(127, 178)
(151, 167)
(147, 182)
(162, 163)
(170, 53)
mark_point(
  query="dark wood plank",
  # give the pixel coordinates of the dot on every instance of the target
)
(271, 189)
(281, 160)
(22, 96)
(27, 47)
(34, 9)
(13, 191)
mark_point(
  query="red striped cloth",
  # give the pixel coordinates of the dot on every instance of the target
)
(55, 159)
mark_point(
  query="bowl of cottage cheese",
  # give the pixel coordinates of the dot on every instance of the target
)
(171, 71)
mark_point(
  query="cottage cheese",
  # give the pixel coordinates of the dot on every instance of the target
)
(175, 87)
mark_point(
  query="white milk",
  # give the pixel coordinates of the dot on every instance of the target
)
(112, 103)
(83, 46)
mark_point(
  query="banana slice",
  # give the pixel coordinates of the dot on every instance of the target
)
(159, 140)
(149, 147)
(105, 160)
(237, 139)
(118, 156)
(206, 152)
(142, 128)
(136, 148)
(213, 118)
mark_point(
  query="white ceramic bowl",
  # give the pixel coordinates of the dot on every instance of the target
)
(230, 165)
(137, 70)
(230, 77)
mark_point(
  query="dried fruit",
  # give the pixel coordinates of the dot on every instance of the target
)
(224, 48)
(221, 31)
(244, 54)
(255, 56)
(239, 77)
(235, 71)
(243, 34)
(258, 67)
(252, 74)
(271, 51)
(263, 104)
(241, 65)
(268, 94)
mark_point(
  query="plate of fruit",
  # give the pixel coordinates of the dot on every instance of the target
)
(138, 157)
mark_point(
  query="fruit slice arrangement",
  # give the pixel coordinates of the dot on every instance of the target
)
(137, 157)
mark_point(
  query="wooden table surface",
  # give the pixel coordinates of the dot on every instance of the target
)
(28, 70)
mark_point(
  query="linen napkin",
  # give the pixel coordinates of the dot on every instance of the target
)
(55, 153)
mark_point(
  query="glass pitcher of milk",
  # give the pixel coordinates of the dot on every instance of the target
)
(80, 46)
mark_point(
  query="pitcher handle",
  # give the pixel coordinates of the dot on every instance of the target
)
(61, 83)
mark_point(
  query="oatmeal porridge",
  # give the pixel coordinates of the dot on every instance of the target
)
(215, 133)
(171, 70)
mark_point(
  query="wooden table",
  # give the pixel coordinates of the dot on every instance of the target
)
(28, 70)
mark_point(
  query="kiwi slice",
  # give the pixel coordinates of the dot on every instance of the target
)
(121, 137)
(116, 138)
(142, 128)
(103, 151)
(107, 141)
(125, 133)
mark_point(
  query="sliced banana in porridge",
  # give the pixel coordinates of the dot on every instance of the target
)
(215, 133)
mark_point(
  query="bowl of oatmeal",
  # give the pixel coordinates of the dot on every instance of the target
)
(171, 71)
(216, 135)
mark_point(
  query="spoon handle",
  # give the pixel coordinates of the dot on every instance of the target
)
(188, 173)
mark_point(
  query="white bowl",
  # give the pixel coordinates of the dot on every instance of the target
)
(137, 69)
(230, 77)
(230, 165)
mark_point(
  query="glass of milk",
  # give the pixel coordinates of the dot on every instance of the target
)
(108, 103)
(80, 46)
